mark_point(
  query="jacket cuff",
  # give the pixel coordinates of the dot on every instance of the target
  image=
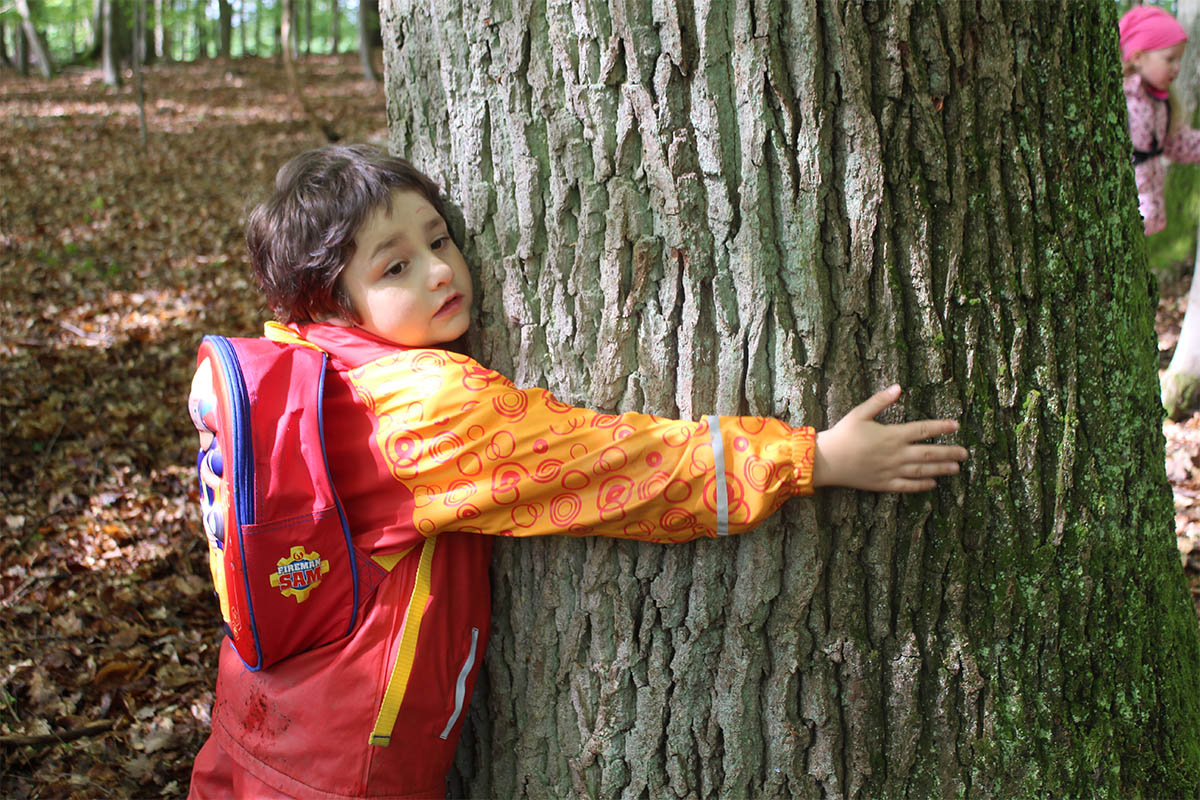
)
(804, 453)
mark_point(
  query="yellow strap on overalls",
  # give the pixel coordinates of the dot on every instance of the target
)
(393, 695)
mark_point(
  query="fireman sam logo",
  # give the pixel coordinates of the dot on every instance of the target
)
(299, 573)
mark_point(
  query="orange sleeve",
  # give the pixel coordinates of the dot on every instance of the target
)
(482, 456)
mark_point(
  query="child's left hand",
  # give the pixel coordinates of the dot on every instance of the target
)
(861, 453)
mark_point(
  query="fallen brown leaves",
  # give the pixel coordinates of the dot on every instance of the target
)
(114, 261)
(1183, 438)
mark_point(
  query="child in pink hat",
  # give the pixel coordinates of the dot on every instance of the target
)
(1152, 45)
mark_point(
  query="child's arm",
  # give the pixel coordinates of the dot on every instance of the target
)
(1183, 145)
(481, 456)
(861, 453)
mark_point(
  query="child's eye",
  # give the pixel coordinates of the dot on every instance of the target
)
(396, 268)
(440, 242)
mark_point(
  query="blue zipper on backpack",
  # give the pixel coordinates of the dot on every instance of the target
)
(243, 493)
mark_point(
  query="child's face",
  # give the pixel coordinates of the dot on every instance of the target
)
(1159, 67)
(407, 279)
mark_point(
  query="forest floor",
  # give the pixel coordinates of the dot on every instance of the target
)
(114, 259)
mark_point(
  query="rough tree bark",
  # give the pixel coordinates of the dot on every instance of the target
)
(776, 209)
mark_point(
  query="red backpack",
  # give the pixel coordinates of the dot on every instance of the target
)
(284, 568)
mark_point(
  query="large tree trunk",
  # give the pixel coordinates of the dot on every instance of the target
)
(778, 210)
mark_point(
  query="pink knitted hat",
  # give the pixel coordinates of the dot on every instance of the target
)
(1149, 28)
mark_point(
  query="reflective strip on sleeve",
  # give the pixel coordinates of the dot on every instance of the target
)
(393, 695)
(718, 448)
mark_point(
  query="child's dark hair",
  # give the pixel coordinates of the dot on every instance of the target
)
(301, 238)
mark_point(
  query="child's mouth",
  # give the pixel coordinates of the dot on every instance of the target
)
(450, 306)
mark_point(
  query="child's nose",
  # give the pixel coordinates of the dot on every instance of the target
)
(440, 272)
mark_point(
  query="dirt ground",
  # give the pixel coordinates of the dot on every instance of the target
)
(114, 259)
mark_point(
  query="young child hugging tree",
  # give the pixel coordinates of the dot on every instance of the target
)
(1152, 45)
(426, 445)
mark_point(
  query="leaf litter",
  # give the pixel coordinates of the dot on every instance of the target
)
(1182, 438)
(114, 260)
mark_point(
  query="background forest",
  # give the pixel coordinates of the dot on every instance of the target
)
(117, 253)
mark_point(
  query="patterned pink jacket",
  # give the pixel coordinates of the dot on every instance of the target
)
(1148, 117)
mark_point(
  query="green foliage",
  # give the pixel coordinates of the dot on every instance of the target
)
(68, 25)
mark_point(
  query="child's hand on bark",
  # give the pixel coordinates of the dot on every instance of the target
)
(861, 453)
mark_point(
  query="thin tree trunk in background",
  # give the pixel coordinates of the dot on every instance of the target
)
(36, 41)
(179, 7)
(320, 126)
(777, 210)
(224, 28)
(293, 40)
(162, 47)
(242, 25)
(334, 11)
(109, 55)
(74, 38)
(21, 51)
(258, 42)
(4, 57)
(139, 38)
(1187, 86)
(92, 48)
(201, 24)
(364, 41)
(308, 9)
